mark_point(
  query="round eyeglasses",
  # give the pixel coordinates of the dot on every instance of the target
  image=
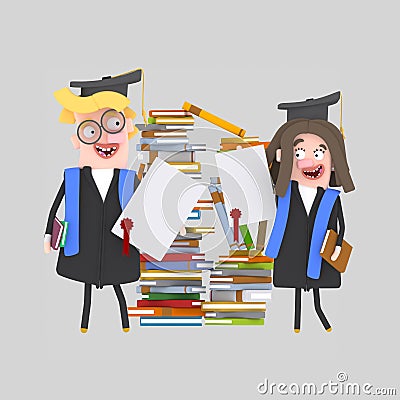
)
(90, 131)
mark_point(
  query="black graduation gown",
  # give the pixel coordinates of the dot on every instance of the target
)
(100, 260)
(290, 267)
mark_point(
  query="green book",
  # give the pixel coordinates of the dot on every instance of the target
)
(248, 241)
(243, 265)
(234, 321)
(64, 234)
(151, 120)
(171, 296)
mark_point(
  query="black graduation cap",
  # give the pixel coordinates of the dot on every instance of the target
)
(117, 83)
(310, 108)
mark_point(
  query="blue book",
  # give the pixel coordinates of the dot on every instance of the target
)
(179, 265)
(171, 321)
(195, 214)
(183, 249)
(240, 286)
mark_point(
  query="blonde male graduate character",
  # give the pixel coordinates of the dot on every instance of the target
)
(306, 155)
(97, 190)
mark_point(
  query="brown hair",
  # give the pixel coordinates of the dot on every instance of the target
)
(283, 139)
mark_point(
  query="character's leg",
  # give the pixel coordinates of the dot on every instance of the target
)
(318, 309)
(297, 310)
(86, 307)
(122, 307)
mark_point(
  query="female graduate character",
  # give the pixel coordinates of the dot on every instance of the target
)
(97, 190)
(306, 155)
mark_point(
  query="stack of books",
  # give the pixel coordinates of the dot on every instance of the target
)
(165, 137)
(240, 287)
(172, 290)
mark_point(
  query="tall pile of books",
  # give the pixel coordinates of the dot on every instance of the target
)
(240, 287)
(165, 136)
(241, 284)
(172, 290)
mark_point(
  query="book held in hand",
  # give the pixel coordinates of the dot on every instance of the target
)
(328, 247)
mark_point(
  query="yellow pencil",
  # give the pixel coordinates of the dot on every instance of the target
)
(213, 119)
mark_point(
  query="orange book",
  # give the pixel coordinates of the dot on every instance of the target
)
(245, 259)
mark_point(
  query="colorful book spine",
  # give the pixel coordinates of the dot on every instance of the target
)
(240, 286)
(171, 296)
(243, 265)
(169, 303)
(177, 265)
(248, 241)
(171, 321)
(172, 289)
(234, 321)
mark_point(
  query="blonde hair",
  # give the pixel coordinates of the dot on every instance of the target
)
(76, 104)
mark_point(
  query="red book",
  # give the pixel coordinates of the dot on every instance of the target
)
(175, 257)
(169, 303)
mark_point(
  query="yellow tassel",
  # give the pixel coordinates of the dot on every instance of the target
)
(341, 116)
(144, 115)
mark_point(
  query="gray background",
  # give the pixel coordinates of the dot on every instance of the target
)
(239, 60)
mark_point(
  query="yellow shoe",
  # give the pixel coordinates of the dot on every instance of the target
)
(329, 329)
(84, 330)
(297, 331)
(126, 329)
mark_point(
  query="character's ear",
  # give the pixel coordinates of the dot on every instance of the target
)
(129, 124)
(278, 154)
(75, 142)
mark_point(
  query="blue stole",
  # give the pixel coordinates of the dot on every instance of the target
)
(318, 233)
(126, 188)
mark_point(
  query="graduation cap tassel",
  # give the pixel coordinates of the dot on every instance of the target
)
(144, 115)
(341, 116)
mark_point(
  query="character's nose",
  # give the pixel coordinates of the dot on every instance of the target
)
(305, 163)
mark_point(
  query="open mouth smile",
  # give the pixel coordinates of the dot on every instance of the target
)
(314, 173)
(107, 150)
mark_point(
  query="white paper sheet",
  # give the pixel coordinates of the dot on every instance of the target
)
(159, 208)
(246, 184)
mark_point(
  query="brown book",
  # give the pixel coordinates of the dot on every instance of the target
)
(241, 279)
(328, 247)
(185, 243)
(246, 139)
(234, 146)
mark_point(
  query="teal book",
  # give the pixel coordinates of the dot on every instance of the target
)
(171, 296)
(64, 234)
(234, 321)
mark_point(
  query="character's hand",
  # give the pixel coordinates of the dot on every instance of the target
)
(182, 231)
(47, 247)
(336, 253)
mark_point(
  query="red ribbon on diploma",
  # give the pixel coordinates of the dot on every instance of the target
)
(126, 225)
(236, 214)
